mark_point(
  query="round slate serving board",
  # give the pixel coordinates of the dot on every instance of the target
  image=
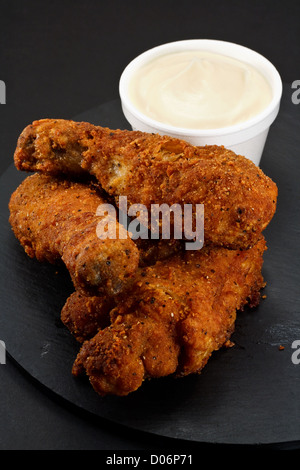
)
(247, 394)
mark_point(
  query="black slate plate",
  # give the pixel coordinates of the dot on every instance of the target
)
(248, 394)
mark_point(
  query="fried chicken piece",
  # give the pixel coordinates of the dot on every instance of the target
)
(56, 220)
(176, 314)
(239, 199)
(152, 251)
(85, 315)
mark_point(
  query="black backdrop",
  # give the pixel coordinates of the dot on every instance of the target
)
(62, 57)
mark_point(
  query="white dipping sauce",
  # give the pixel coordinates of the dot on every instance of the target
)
(199, 90)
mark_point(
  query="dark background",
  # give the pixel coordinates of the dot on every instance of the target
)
(61, 58)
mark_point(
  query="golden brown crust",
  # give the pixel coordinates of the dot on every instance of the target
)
(239, 199)
(56, 220)
(84, 316)
(154, 310)
(176, 314)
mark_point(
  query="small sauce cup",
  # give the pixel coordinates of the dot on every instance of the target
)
(246, 138)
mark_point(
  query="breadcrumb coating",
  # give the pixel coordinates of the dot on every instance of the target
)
(55, 220)
(239, 199)
(175, 315)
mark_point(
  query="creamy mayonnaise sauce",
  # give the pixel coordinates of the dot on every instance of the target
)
(199, 90)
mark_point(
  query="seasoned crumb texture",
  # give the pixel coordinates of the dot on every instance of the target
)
(85, 315)
(142, 309)
(175, 315)
(56, 220)
(239, 199)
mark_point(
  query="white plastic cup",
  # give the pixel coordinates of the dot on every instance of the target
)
(247, 138)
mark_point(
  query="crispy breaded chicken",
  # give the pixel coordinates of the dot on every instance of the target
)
(85, 315)
(56, 220)
(175, 315)
(239, 199)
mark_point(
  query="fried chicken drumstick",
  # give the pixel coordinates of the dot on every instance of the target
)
(84, 315)
(239, 199)
(56, 220)
(175, 315)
